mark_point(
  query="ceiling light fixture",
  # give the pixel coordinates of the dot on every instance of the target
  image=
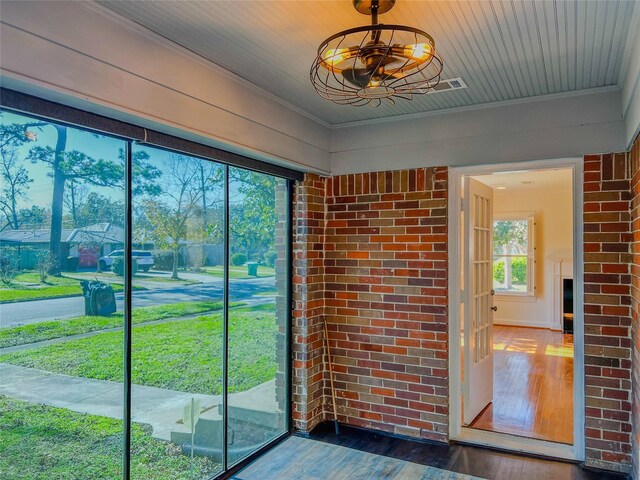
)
(369, 64)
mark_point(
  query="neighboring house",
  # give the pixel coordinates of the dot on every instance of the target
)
(24, 246)
(91, 242)
(86, 243)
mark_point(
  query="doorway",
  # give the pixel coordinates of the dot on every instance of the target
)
(514, 307)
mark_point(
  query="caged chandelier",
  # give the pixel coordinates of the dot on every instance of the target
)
(371, 64)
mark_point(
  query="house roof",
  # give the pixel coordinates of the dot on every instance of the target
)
(37, 235)
(96, 233)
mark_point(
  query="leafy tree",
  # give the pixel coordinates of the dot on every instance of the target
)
(35, 216)
(173, 218)
(254, 217)
(81, 168)
(510, 236)
(97, 208)
(74, 197)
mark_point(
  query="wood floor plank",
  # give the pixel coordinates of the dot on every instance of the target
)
(305, 459)
(533, 385)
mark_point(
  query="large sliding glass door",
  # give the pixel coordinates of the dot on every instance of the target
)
(175, 362)
(257, 333)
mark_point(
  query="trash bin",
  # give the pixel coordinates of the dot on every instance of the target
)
(252, 269)
(86, 293)
(99, 298)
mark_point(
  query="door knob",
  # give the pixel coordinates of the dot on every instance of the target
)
(494, 308)
(493, 292)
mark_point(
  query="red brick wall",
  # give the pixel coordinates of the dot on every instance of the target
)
(607, 311)
(386, 299)
(308, 294)
(634, 163)
(371, 256)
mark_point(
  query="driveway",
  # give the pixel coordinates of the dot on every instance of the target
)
(24, 313)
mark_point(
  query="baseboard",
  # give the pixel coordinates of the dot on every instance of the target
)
(519, 323)
(327, 426)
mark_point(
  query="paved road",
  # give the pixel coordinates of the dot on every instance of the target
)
(23, 313)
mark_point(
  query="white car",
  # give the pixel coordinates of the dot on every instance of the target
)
(143, 259)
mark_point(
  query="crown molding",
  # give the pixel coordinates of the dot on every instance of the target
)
(479, 106)
(191, 55)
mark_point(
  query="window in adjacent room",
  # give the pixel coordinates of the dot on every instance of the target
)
(513, 255)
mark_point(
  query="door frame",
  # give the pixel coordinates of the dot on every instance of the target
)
(502, 440)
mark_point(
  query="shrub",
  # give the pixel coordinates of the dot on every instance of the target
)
(519, 271)
(8, 269)
(238, 259)
(270, 257)
(44, 263)
(164, 261)
(498, 272)
(118, 266)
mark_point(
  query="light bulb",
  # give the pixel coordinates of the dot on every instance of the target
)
(418, 51)
(334, 56)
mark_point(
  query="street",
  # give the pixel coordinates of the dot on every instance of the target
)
(24, 313)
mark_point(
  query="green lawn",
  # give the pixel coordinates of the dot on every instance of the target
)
(27, 287)
(47, 443)
(61, 328)
(184, 356)
(239, 272)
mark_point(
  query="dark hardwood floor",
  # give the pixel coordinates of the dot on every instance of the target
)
(480, 462)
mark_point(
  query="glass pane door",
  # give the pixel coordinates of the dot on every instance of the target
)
(177, 334)
(258, 330)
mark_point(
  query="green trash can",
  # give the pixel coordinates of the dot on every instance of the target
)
(252, 269)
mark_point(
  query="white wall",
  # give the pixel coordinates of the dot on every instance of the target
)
(542, 128)
(83, 55)
(631, 80)
(553, 239)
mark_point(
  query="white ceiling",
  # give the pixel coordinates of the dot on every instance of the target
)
(503, 50)
(529, 181)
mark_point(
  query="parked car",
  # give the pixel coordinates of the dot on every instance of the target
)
(143, 259)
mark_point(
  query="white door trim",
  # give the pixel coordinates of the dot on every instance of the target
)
(500, 440)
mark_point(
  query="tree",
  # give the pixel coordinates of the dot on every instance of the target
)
(96, 208)
(74, 197)
(34, 217)
(171, 218)
(81, 168)
(253, 219)
(510, 237)
(15, 177)
(15, 185)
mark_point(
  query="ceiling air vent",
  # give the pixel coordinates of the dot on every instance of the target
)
(450, 84)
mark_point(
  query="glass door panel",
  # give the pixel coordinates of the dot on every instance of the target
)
(177, 334)
(258, 330)
(61, 353)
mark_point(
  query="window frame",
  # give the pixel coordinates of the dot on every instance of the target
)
(132, 134)
(530, 218)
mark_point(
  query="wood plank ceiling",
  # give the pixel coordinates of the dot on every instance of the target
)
(503, 50)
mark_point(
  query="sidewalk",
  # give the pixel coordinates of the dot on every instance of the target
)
(158, 407)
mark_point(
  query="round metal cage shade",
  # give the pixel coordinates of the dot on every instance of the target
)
(375, 63)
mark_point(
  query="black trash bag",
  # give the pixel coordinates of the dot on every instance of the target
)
(99, 298)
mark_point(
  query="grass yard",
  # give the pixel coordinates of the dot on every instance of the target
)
(38, 332)
(184, 356)
(27, 287)
(239, 272)
(47, 443)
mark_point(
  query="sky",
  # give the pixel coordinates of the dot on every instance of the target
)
(96, 145)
